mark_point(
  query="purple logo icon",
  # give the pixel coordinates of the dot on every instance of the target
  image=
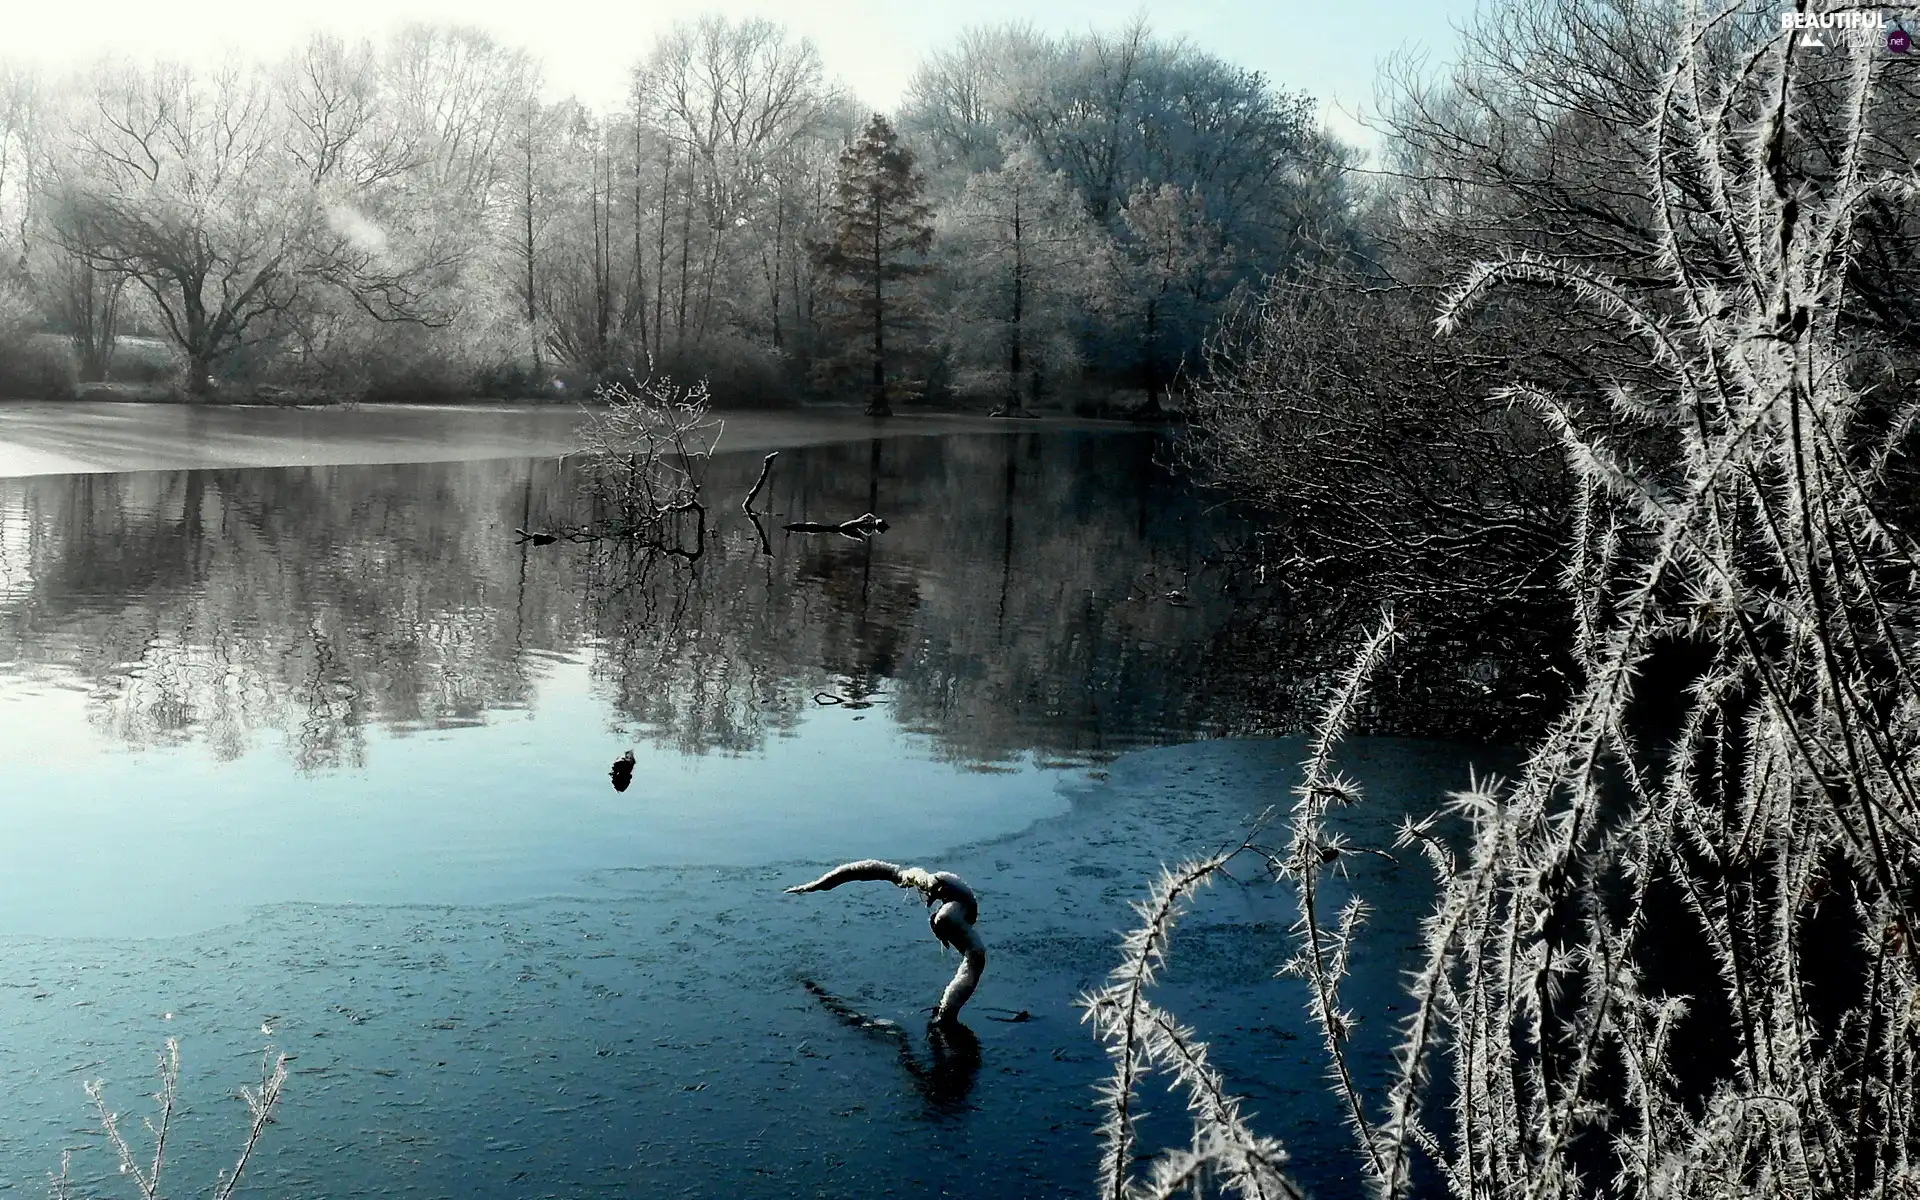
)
(1898, 42)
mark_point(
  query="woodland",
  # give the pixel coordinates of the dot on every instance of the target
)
(1043, 220)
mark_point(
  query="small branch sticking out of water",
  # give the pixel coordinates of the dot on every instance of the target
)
(766, 468)
(955, 909)
(146, 1180)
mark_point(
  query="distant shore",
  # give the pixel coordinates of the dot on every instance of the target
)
(81, 437)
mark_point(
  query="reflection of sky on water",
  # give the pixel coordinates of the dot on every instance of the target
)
(103, 841)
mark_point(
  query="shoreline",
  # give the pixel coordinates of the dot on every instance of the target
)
(102, 437)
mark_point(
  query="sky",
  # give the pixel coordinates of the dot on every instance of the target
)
(1329, 50)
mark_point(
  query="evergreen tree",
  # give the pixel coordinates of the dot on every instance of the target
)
(882, 228)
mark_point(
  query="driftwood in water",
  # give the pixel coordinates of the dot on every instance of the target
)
(863, 526)
(954, 912)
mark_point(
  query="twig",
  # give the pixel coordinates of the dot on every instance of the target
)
(147, 1182)
(766, 468)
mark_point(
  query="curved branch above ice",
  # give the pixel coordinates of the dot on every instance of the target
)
(955, 909)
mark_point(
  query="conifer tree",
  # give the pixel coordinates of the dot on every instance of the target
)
(882, 228)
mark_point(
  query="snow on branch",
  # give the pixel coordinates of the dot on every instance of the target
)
(954, 911)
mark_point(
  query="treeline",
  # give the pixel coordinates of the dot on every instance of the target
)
(1414, 468)
(1066, 217)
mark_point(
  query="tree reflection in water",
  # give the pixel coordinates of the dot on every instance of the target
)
(1000, 615)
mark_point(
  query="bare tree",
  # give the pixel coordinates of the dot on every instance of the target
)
(22, 153)
(959, 101)
(176, 181)
(734, 101)
(1171, 274)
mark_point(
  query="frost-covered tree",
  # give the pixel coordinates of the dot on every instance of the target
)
(735, 107)
(22, 147)
(1122, 115)
(882, 229)
(1170, 275)
(22, 155)
(959, 100)
(1024, 262)
(236, 219)
(173, 183)
(582, 313)
(1115, 110)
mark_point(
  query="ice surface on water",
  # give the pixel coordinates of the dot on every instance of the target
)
(651, 1031)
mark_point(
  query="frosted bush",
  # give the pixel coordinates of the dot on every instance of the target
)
(1776, 824)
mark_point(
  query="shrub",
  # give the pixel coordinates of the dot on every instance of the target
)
(35, 367)
(1773, 829)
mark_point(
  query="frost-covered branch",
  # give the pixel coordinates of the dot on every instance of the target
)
(1770, 829)
(649, 446)
(953, 911)
(147, 1180)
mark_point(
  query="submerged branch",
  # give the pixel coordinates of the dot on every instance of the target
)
(861, 527)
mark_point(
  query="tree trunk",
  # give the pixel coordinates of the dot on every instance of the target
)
(686, 253)
(199, 346)
(639, 257)
(773, 272)
(93, 302)
(601, 210)
(660, 259)
(877, 406)
(1151, 359)
(1019, 299)
(527, 250)
(707, 282)
(200, 386)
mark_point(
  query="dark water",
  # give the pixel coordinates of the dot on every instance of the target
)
(317, 757)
